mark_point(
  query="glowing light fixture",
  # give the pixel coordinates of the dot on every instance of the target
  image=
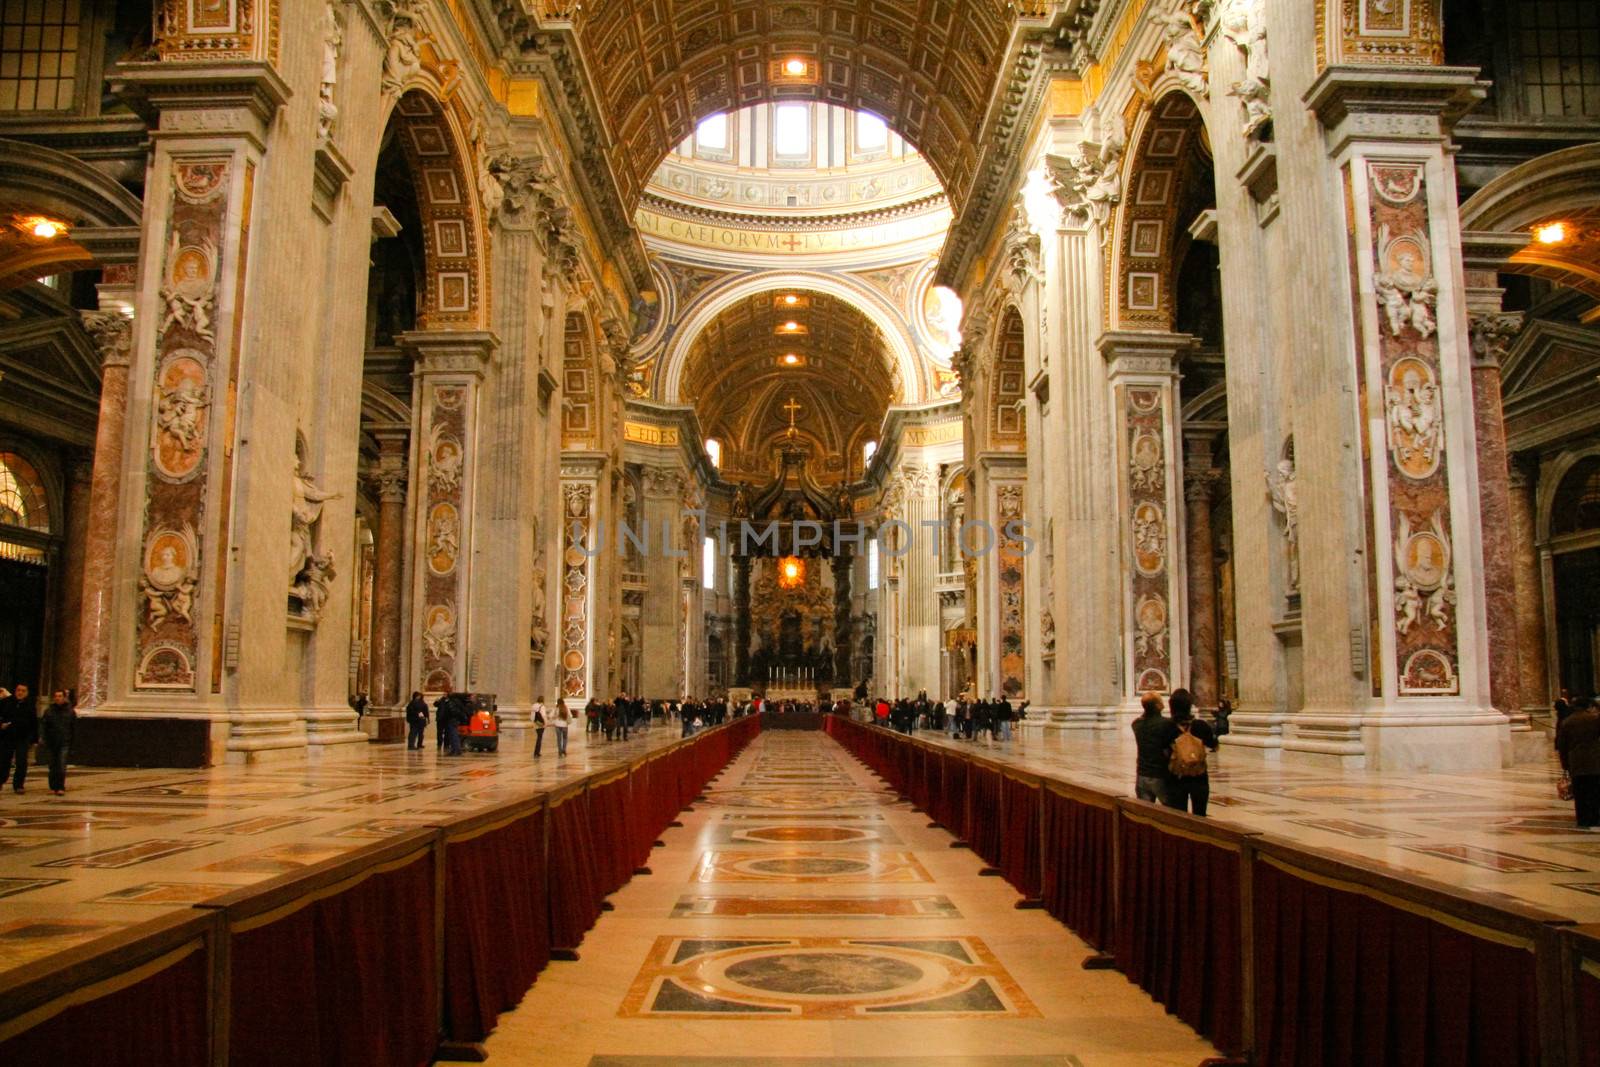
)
(45, 229)
(791, 360)
(791, 572)
(1551, 233)
(794, 67)
(791, 300)
(791, 326)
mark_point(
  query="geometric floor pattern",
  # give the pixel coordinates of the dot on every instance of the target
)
(804, 916)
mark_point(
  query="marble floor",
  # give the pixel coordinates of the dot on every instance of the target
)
(1501, 832)
(804, 915)
(124, 846)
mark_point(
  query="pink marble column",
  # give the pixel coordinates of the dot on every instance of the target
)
(1490, 334)
(388, 571)
(114, 333)
(69, 598)
(1535, 689)
(1198, 487)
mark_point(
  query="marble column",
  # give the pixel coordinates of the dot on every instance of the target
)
(1521, 513)
(1199, 487)
(447, 380)
(114, 333)
(843, 639)
(920, 564)
(1142, 370)
(580, 634)
(69, 607)
(1491, 333)
(741, 620)
(388, 583)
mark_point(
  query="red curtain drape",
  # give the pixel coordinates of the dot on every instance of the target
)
(1345, 978)
(609, 816)
(1078, 885)
(954, 818)
(1588, 990)
(575, 892)
(984, 828)
(1178, 927)
(497, 923)
(349, 979)
(162, 1016)
(1019, 839)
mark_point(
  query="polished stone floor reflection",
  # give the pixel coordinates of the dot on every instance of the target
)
(824, 923)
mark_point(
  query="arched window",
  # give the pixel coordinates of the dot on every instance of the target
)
(872, 563)
(868, 450)
(708, 563)
(714, 452)
(712, 133)
(872, 134)
(1576, 507)
(23, 505)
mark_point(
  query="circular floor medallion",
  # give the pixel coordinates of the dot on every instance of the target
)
(808, 866)
(826, 974)
(808, 833)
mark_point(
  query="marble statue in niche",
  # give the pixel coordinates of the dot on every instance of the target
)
(1186, 59)
(332, 44)
(1404, 284)
(445, 462)
(1244, 22)
(539, 631)
(1414, 417)
(182, 411)
(1150, 636)
(444, 538)
(1422, 585)
(1285, 500)
(439, 633)
(190, 291)
(167, 584)
(1047, 633)
(1146, 467)
(1149, 539)
(403, 57)
(310, 571)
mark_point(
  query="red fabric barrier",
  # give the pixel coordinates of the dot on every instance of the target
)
(613, 847)
(497, 923)
(984, 828)
(1078, 885)
(348, 979)
(1178, 927)
(160, 1016)
(575, 892)
(1343, 977)
(1019, 838)
(954, 818)
(1588, 997)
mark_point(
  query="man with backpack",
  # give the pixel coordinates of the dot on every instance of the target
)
(1188, 783)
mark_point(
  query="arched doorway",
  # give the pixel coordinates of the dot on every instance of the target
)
(1574, 546)
(27, 543)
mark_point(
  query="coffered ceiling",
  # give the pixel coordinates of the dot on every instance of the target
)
(928, 67)
(739, 381)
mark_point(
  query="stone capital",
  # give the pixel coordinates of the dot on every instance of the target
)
(203, 98)
(462, 352)
(1200, 485)
(1392, 104)
(113, 333)
(1491, 334)
(1143, 353)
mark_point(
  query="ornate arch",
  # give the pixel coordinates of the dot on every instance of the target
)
(911, 368)
(1562, 186)
(456, 287)
(1551, 482)
(580, 385)
(1145, 242)
(1008, 386)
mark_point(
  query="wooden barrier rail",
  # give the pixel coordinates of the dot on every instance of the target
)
(1278, 955)
(396, 953)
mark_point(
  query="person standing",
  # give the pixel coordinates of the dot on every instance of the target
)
(1578, 746)
(563, 722)
(19, 728)
(1188, 782)
(416, 721)
(538, 726)
(55, 730)
(456, 713)
(1153, 733)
